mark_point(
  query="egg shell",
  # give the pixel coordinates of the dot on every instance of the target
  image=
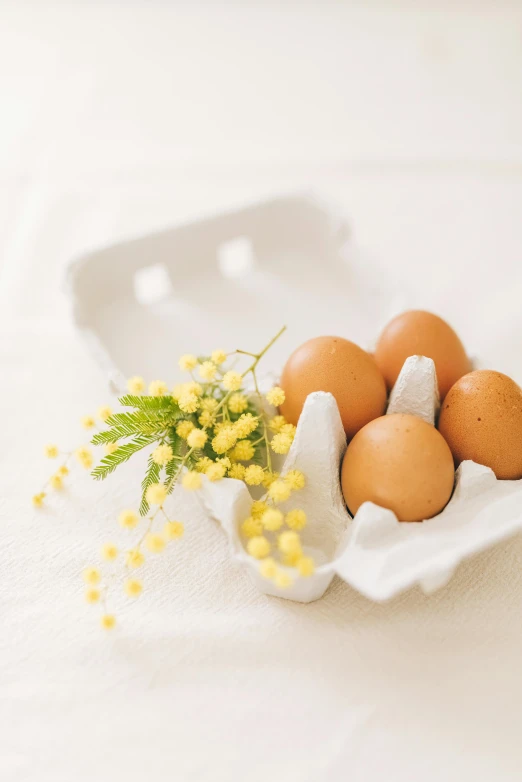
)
(420, 333)
(399, 462)
(337, 366)
(481, 420)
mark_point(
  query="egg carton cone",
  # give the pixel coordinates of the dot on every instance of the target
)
(374, 553)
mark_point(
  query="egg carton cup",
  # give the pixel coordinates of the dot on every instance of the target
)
(374, 553)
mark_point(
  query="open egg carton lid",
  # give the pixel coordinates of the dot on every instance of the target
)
(142, 303)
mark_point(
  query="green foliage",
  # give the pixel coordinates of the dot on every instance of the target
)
(124, 452)
(151, 476)
(112, 435)
(171, 470)
(149, 402)
(154, 420)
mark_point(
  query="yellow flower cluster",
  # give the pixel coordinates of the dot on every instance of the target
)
(156, 494)
(188, 402)
(209, 404)
(38, 499)
(237, 403)
(197, 438)
(270, 532)
(295, 479)
(210, 428)
(135, 385)
(109, 551)
(128, 519)
(184, 428)
(134, 558)
(207, 370)
(228, 436)
(84, 456)
(133, 587)
(56, 480)
(284, 434)
(225, 439)
(279, 491)
(243, 451)
(277, 422)
(162, 454)
(205, 419)
(154, 541)
(158, 388)
(272, 519)
(232, 381)
(173, 530)
(191, 480)
(281, 442)
(188, 362)
(218, 357)
(237, 471)
(276, 396)
(245, 425)
(216, 471)
(254, 475)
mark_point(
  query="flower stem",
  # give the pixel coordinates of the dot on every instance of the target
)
(259, 356)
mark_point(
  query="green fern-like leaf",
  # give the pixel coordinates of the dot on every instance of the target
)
(124, 452)
(138, 417)
(179, 447)
(141, 422)
(177, 444)
(171, 470)
(115, 434)
(151, 476)
(150, 403)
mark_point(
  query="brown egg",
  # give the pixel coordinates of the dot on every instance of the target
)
(419, 333)
(398, 462)
(345, 370)
(481, 419)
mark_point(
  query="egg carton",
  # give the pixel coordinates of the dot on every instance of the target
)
(131, 303)
(373, 552)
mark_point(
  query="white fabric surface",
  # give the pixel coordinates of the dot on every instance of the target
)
(117, 119)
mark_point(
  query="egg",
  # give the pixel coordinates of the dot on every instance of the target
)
(419, 333)
(345, 370)
(481, 419)
(399, 462)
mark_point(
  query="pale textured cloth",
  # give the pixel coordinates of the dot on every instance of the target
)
(101, 137)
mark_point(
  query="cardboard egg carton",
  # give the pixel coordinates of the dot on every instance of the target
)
(373, 552)
(131, 303)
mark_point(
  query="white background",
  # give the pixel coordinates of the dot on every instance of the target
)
(119, 118)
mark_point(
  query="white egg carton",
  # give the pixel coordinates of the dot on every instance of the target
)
(228, 276)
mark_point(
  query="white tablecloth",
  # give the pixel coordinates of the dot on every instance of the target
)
(117, 119)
